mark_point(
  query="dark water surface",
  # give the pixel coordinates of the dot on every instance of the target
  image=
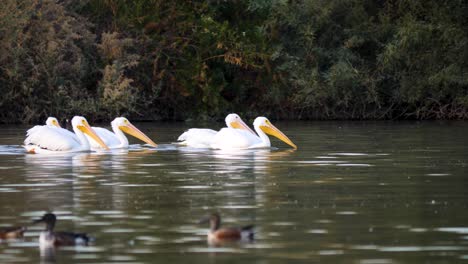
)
(388, 192)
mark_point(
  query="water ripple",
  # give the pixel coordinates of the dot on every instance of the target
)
(458, 230)
(421, 248)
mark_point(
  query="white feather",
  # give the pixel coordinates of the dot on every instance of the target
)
(197, 137)
(116, 138)
(107, 136)
(203, 137)
(46, 239)
(51, 138)
(230, 138)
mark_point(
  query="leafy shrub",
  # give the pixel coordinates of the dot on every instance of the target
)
(45, 60)
(155, 59)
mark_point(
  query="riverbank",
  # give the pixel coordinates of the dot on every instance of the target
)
(178, 60)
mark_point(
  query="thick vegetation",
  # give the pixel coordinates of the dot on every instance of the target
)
(156, 59)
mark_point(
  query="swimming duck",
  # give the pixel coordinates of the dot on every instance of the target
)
(218, 235)
(12, 232)
(49, 238)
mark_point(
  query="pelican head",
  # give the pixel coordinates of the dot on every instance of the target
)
(123, 124)
(266, 126)
(81, 124)
(234, 121)
(52, 121)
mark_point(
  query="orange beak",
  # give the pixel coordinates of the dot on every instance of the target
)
(85, 128)
(239, 124)
(133, 131)
(272, 130)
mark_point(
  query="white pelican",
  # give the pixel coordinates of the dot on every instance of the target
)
(229, 138)
(203, 137)
(45, 139)
(52, 121)
(118, 139)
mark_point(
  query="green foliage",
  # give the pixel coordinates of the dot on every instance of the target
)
(366, 59)
(427, 58)
(44, 65)
(196, 56)
(155, 59)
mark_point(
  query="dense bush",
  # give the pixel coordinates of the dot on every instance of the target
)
(373, 59)
(46, 65)
(155, 59)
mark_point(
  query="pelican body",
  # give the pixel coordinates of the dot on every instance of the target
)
(51, 122)
(203, 137)
(229, 138)
(218, 234)
(53, 139)
(50, 238)
(118, 139)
